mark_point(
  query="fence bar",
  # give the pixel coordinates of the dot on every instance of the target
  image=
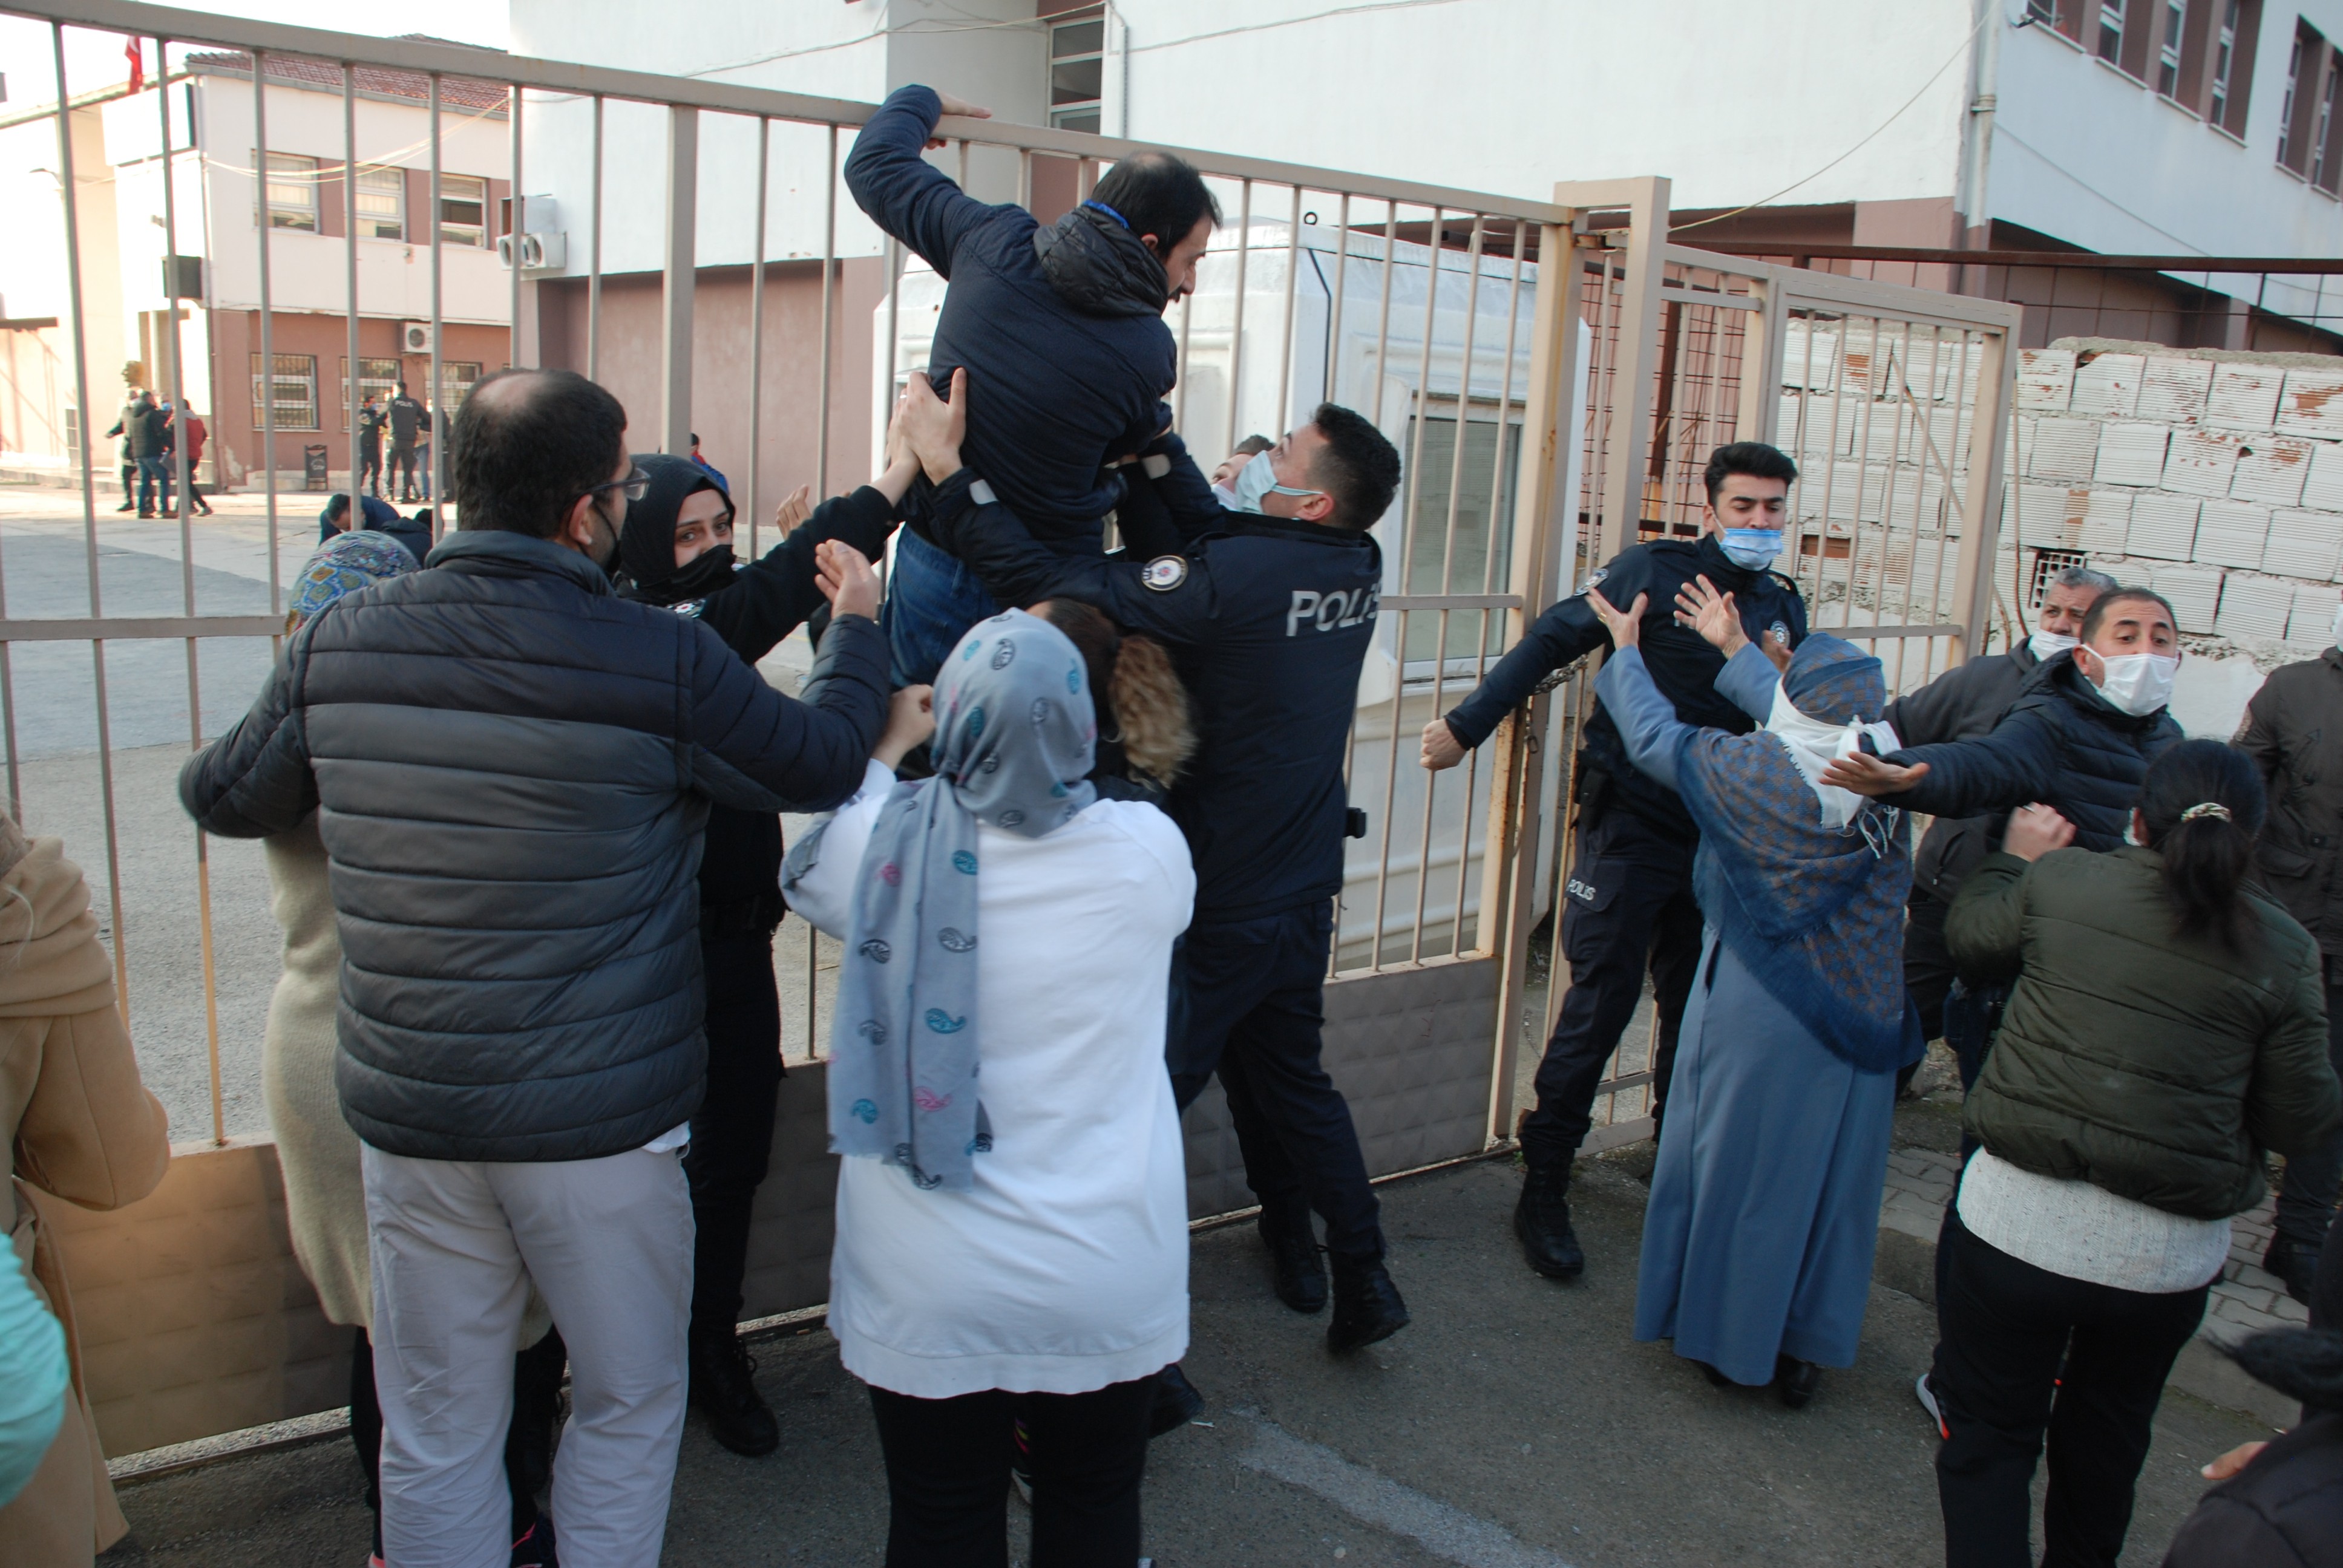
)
(1334, 303)
(829, 296)
(1236, 329)
(1285, 345)
(267, 326)
(351, 283)
(435, 481)
(515, 220)
(594, 260)
(679, 284)
(757, 339)
(89, 506)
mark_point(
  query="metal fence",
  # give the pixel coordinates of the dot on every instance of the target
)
(1552, 372)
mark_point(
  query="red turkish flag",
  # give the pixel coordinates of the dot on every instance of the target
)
(138, 64)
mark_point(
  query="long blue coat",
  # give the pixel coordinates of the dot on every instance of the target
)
(1764, 1207)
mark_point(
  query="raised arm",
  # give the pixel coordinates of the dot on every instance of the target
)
(1748, 681)
(256, 779)
(2015, 763)
(771, 597)
(1647, 721)
(898, 188)
(1568, 630)
(755, 749)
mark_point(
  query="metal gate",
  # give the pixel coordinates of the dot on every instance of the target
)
(1553, 373)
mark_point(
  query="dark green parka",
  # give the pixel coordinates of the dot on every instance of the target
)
(2156, 1066)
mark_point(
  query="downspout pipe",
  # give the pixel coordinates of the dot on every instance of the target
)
(1972, 201)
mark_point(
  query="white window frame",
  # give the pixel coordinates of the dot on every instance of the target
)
(289, 373)
(1071, 109)
(380, 182)
(475, 235)
(293, 202)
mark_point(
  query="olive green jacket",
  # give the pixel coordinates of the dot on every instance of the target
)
(2156, 1066)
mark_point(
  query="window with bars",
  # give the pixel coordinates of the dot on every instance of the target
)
(1077, 72)
(2168, 48)
(377, 379)
(2111, 30)
(382, 203)
(456, 379)
(292, 192)
(463, 210)
(291, 390)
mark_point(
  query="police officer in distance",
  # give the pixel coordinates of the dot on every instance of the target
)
(1267, 615)
(1629, 900)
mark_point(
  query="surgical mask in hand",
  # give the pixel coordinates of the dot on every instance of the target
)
(1257, 481)
(1752, 550)
(2047, 643)
(2138, 683)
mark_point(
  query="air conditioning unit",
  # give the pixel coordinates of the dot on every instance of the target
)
(538, 252)
(414, 337)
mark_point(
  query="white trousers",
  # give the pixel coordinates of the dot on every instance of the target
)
(454, 1245)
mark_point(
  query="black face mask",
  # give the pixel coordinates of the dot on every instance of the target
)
(704, 574)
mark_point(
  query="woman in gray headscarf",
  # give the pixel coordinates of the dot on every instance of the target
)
(1012, 1209)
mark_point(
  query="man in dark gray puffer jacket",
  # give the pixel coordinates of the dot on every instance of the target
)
(512, 768)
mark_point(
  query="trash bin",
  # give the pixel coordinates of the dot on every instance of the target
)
(313, 468)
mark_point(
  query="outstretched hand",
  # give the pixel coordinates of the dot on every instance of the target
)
(932, 427)
(911, 720)
(795, 508)
(1625, 627)
(1870, 776)
(961, 106)
(1440, 749)
(2035, 830)
(1712, 614)
(843, 574)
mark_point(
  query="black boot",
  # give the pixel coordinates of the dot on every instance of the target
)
(1795, 1381)
(725, 1389)
(1177, 1403)
(1299, 1274)
(2294, 1263)
(1541, 1221)
(1367, 1306)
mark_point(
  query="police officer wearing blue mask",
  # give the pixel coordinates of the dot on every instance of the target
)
(1269, 613)
(1628, 902)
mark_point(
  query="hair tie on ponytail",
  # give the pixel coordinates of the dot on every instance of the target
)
(2207, 809)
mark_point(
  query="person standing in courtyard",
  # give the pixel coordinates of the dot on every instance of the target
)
(1764, 1208)
(2165, 1025)
(511, 770)
(1628, 908)
(1012, 1210)
(2294, 732)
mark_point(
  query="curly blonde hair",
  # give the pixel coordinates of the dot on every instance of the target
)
(1145, 705)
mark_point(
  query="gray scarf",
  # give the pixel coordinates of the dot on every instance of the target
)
(1014, 736)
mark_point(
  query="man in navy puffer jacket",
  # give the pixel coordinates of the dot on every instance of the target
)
(1062, 332)
(512, 768)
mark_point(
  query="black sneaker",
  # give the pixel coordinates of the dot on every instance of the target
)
(1541, 1222)
(1297, 1273)
(1367, 1306)
(723, 1385)
(1177, 1402)
(2294, 1265)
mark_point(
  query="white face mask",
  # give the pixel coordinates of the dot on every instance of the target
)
(2138, 683)
(1813, 744)
(2047, 644)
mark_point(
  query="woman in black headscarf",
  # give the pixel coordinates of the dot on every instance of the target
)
(676, 550)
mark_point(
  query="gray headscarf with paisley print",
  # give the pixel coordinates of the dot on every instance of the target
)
(1015, 730)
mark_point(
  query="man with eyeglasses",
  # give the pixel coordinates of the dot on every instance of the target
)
(511, 768)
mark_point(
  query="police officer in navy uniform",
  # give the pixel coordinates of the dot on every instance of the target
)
(1269, 614)
(1628, 900)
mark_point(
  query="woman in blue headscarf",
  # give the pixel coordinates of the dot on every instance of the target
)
(1764, 1208)
(1012, 1207)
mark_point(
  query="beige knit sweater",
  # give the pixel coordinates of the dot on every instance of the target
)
(325, 1196)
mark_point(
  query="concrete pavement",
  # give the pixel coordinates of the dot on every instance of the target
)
(1516, 1424)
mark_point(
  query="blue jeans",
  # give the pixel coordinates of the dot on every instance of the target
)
(932, 599)
(154, 472)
